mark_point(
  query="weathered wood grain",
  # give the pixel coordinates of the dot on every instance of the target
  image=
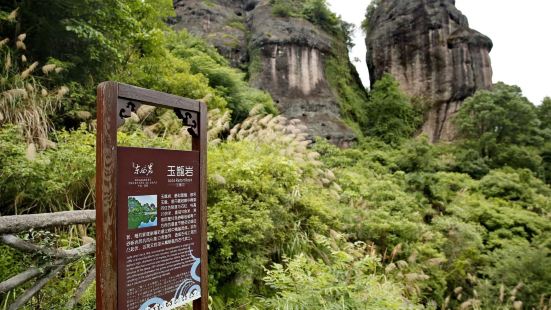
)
(106, 189)
(153, 97)
(18, 223)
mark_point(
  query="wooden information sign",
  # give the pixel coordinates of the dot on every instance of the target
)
(151, 210)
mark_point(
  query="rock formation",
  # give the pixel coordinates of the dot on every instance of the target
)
(428, 47)
(285, 56)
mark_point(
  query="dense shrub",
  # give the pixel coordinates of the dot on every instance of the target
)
(390, 114)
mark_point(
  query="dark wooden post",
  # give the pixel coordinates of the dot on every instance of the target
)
(115, 101)
(200, 144)
(106, 188)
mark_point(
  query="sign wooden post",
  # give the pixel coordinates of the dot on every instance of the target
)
(151, 208)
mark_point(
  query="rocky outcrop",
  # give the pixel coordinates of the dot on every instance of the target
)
(220, 22)
(428, 47)
(285, 56)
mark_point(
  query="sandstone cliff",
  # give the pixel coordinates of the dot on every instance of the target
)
(428, 47)
(285, 56)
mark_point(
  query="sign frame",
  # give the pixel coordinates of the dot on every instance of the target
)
(115, 102)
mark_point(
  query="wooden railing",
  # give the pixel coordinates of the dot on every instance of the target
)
(59, 258)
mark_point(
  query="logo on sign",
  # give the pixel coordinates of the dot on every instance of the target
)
(143, 170)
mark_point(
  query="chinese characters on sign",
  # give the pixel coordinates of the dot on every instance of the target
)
(157, 207)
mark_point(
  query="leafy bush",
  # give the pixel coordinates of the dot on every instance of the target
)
(347, 278)
(317, 12)
(390, 115)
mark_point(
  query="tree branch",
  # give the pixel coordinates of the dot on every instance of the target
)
(28, 294)
(81, 289)
(30, 247)
(19, 279)
(25, 276)
(18, 223)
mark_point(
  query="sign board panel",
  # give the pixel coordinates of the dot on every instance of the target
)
(158, 220)
(150, 209)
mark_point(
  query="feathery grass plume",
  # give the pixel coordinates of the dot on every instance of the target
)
(372, 250)
(31, 152)
(7, 61)
(390, 267)
(15, 94)
(219, 123)
(466, 304)
(471, 278)
(21, 102)
(458, 290)
(446, 302)
(436, 261)
(25, 74)
(44, 92)
(63, 90)
(413, 257)
(21, 37)
(4, 42)
(13, 15)
(83, 115)
(145, 110)
(336, 187)
(134, 117)
(48, 68)
(20, 45)
(517, 305)
(501, 293)
(415, 277)
(515, 290)
(58, 69)
(395, 251)
(219, 179)
(402, 264)
(23, 58)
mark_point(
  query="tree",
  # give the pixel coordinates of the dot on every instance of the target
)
(317, 12)
(498, 116)
(390, 114)
(90, 39)
(544, 113)
(502, 128)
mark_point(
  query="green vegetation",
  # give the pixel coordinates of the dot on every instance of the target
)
(315, 11)
(393, 223)
(345, 81)
(389, 112)
(502, 128)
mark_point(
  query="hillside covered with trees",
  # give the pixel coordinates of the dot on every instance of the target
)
(393, 222)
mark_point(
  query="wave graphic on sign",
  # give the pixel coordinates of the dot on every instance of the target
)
(187, 291)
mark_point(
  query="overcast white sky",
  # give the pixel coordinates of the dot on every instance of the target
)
(520, 30)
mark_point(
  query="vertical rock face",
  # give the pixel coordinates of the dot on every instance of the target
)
(285, 57)
(428, 47)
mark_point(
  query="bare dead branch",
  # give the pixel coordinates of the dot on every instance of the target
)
(26, 276)
(30, 247)
(28, 294)
(18, 223)
(19, 279)
(81, 289)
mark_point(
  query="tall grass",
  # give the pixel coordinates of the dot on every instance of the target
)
(24, 101)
